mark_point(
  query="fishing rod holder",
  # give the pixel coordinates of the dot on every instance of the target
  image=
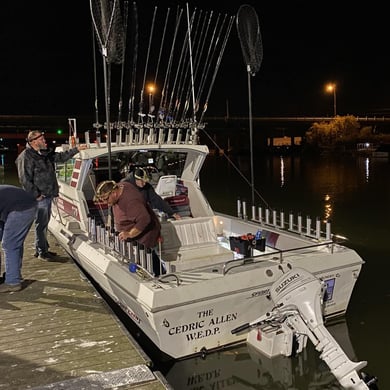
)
(270, 217)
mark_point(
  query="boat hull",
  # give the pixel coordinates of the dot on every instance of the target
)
(196, 314)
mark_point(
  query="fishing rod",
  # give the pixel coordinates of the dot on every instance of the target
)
(107, 20)
(130, 117)
(186, 81)
(120, 102)
(96, 125)
(141, 103)
(218, 63)
(173, 102)
(163, 110)
(200, 44)
(151, 107)
(212, 47)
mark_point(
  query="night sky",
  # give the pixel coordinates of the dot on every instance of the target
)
(47, 64)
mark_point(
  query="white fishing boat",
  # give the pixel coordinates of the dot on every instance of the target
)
(219, 268)
(216, 279)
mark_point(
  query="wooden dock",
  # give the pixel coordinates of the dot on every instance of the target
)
(58, 333)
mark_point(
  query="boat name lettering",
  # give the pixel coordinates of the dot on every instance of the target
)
(186, 328)
(205, 313)
(286, 282)
(202, 333)
(222, 319)
(198, 326)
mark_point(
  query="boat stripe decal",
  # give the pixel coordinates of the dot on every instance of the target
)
(76, 173)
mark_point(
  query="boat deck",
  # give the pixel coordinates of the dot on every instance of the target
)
(59, 333)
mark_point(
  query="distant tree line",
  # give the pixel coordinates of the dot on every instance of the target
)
(343, 132)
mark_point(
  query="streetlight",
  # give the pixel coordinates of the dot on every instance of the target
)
(331, 87)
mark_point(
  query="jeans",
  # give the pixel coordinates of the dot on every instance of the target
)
(12, 237)
(41, 223)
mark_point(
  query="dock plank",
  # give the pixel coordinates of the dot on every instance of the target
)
(59, 333)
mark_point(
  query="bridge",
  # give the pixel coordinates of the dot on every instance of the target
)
(15, 127)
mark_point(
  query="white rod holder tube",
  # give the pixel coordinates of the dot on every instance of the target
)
(245, 215)
(239, 214)
(299, 223)
(267, 216)
(308, 225)
(260, 210)
(328, 232)
(318, 228)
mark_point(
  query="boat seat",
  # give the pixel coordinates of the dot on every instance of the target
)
(166, 186)
(180, 204)
(192, 242)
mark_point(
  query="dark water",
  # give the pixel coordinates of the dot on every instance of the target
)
(354, 192)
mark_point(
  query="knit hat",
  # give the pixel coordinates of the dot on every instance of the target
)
(141, 174)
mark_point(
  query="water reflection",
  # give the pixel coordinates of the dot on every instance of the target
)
(367, 166)
(327, 208)
(281, 171)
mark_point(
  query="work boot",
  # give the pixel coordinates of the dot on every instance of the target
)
(36, 254)
(47, 256)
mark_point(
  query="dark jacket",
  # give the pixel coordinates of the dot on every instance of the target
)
(151, 196)
(36, 170)
(14, 199)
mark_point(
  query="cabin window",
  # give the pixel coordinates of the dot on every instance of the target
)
(157, 163)
(64, 170)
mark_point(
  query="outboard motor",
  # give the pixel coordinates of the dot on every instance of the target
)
(296, 316)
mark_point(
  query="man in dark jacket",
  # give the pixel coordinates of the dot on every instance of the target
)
(17, 213)
(140, 179)
(36, 171)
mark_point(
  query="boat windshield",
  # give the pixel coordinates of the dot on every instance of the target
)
(157, 163)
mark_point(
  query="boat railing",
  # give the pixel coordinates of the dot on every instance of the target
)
(277, 255)
(275, 219)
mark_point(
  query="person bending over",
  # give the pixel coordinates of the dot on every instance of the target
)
(133, 217)
(141, 179)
